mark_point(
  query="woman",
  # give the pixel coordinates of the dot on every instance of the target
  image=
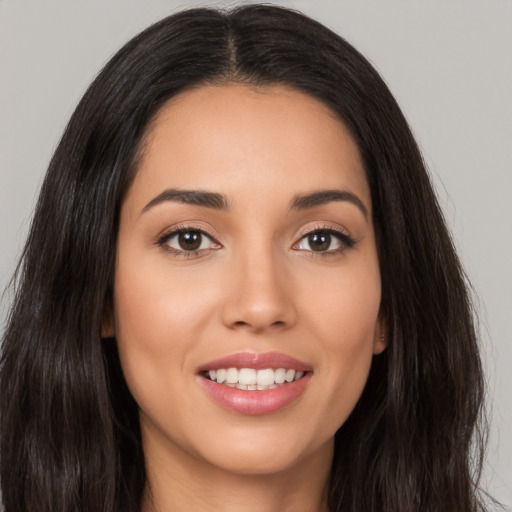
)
(239, 291)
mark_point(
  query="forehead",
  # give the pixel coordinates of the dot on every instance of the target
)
(236, 139)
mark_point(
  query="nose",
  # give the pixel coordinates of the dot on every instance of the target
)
(259, 294)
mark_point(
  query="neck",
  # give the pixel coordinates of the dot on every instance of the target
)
(178, 482)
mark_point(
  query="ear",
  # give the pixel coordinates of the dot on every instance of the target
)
(380, 340)
(108, 325)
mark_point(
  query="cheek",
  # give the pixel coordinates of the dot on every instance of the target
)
(162, 312)
(344, 318)
(155, 306)
(343, 306)
(156, 317)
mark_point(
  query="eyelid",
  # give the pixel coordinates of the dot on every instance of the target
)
(347, 241)
(172, 231)
(323, 227)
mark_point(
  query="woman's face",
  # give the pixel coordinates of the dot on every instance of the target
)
(246, 242)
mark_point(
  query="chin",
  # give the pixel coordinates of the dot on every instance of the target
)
(262, 453)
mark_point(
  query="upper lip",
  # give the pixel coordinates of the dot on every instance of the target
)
(256, 361)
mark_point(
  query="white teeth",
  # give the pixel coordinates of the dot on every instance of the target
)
(251, 379)
(231, 375)
(247, 376)
(279, 375)
(265, 377)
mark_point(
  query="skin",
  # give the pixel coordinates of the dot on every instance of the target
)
(256, 287)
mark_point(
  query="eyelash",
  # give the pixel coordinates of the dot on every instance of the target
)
(346, 241)
(164, 239)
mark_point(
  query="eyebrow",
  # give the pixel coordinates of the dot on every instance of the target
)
(219, 202)
(194, 197)
(306, 201)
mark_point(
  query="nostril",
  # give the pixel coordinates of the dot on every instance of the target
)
(240, 324)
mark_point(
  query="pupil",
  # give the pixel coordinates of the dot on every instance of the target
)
(190, 240)
(319, 241)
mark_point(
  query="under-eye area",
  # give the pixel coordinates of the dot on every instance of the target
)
(251, 379)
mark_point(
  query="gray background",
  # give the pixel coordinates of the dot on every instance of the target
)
(449, 64)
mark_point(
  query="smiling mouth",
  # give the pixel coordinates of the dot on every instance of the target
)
(251, 379)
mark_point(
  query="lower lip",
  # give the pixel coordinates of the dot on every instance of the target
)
(255, 402)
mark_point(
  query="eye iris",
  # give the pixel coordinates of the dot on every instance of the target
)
(319, 241)
(190, 240)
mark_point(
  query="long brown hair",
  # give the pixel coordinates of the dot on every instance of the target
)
(70, 438)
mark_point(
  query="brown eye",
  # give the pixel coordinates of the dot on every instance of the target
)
(326, 241)
(190, 240)
(319, 241)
